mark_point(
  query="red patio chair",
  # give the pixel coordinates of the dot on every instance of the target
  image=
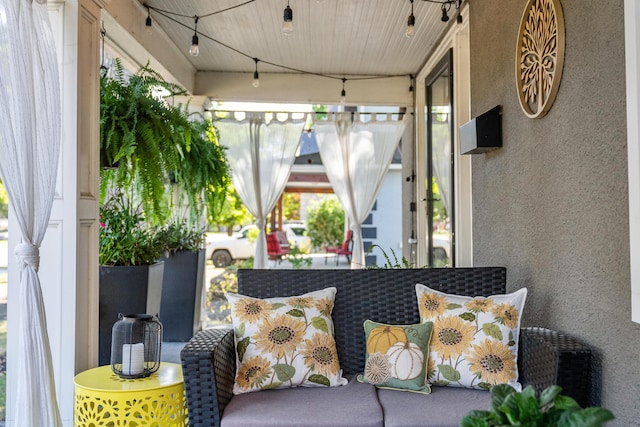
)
(282, 240)
(274, 250)
(345, 249)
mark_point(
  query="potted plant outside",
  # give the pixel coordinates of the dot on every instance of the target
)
(183, 279)
(130, 273)
(152, 149)
(551, 409)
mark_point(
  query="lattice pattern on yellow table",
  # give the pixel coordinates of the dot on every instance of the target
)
(155, 408)
(102, 399)
(146, 409)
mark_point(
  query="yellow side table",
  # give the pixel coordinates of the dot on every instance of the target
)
(102, 398)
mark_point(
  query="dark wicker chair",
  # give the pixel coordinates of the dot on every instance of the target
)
(388, 296)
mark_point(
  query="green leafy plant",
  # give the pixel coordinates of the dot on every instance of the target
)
(202, 175)
(125, 237)
(297, 258)
(234, 212)
(178, 235)
(403, 263)
(551, 409)
(325, 223)
(147, 143)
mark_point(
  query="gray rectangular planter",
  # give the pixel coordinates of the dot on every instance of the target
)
(183, 281)
(126, 290)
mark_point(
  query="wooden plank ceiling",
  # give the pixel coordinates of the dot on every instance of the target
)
(331, 37)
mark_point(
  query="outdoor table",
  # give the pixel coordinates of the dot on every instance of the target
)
(103, 397)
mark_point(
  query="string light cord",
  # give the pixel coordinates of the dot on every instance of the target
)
(445, 5)
(285, 67)
(157, 9)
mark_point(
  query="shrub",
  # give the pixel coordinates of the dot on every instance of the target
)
(325, 223)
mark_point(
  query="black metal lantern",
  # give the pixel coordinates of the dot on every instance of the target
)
(135, 345)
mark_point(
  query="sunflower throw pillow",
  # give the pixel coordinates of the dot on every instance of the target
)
(285, 342)
(474, 343)
(397, 356)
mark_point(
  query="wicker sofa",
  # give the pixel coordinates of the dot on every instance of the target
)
(208, 360)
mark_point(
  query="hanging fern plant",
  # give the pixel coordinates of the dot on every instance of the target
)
(146, 143)
(203, 166)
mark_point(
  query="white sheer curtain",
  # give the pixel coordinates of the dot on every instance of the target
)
(441, 162)
(29, 150)
(356, 156)
(261, 150)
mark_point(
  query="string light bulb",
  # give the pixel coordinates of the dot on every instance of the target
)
(445, 17)
(194, 50)
(287, 24)
(148, 23)
(256, 76)
(411, 23)
(343, 94)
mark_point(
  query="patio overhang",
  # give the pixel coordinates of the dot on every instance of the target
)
(362, 42)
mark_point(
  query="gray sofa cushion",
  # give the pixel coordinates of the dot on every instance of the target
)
(352, 405)
(444, 407)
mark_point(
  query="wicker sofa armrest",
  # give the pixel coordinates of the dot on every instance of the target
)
(209, 368)
(548, 357)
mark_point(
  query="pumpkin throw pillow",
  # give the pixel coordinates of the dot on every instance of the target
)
(397, 356)
(285, 342)
(475, 340)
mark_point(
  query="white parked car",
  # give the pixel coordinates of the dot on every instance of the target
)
(242, 245)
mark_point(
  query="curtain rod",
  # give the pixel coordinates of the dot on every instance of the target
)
(311, 112)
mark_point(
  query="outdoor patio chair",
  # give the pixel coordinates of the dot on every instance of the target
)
(274, 250)
(345, 249)
(283, 240)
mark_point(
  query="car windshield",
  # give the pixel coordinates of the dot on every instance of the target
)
(299, 231)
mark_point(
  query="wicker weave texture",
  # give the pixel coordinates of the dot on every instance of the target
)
(548, 357)
(209, 369)
(386, 296)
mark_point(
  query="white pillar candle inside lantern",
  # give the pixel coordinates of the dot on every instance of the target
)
(132, 358)
(135, 345)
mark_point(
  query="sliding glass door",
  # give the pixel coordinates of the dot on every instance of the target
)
(439, 183)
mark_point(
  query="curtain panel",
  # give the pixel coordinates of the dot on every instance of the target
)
(356, 155)
(30, 136)
(261, 149)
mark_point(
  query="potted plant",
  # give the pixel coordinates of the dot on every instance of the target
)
(551, 409)
(153, 150)
(130, 273)
(184, 265)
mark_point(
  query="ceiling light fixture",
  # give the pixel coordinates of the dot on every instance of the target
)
(148, 23)
(256, 76)
(411, 23)
(410, 82)
(287, 24)
(194, 50)
(445, 17)
(343, 94)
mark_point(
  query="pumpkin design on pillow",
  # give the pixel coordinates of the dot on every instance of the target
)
(407, 360)
(397, 356)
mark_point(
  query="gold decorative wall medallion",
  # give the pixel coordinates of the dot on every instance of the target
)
(539, 56)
